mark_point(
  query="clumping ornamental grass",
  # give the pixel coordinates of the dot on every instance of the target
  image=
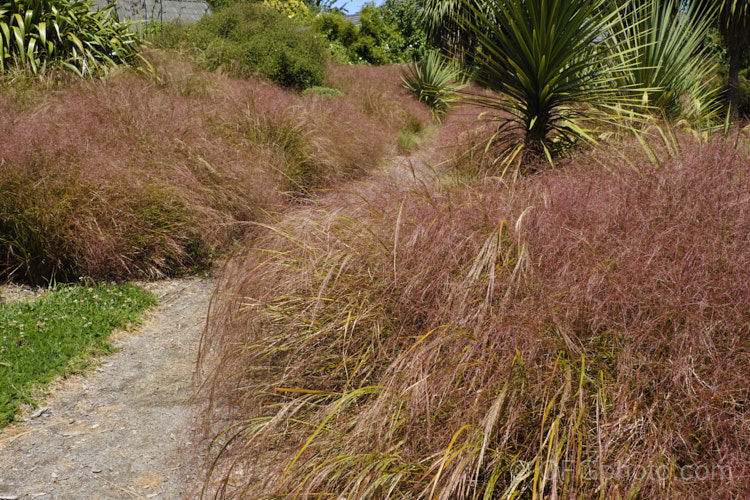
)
(582, 333)
(57, 334)
(146, 176)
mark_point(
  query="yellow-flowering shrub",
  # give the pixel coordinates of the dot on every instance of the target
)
(295, 9)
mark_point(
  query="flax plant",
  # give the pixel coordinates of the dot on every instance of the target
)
(38, 34)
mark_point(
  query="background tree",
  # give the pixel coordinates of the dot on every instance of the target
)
(732, 17)
(446, 22)
(734, 25)
(405, 17)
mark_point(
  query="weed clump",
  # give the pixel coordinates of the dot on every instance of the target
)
(323, 91)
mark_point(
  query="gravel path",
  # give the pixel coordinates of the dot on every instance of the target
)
(123, 430)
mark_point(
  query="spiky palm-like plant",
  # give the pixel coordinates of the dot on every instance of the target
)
(434, 82)
(551, 69)
(669, 56)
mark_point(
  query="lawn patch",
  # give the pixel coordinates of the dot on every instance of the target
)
(57, 334)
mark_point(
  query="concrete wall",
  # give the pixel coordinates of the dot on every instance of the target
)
(158, 10)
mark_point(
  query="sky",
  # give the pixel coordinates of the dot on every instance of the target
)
(354, 6)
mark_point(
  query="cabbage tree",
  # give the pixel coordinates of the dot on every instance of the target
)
(551, 69)
(732, 17)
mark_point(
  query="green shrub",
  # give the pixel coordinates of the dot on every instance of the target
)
(335, 27)
(401, 14)
(170, 35)
(247, 39)
(376, 37)
(340, 33)
(388, 34)
(41, 34)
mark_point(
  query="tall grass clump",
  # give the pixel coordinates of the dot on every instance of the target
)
(384, 100)
(40, 35)
(583, 333)
(144, 175)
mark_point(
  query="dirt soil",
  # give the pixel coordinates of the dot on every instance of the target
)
(123, 430)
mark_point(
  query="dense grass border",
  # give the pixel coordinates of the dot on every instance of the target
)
(58, 334)
(584, 333)
(175, 163)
